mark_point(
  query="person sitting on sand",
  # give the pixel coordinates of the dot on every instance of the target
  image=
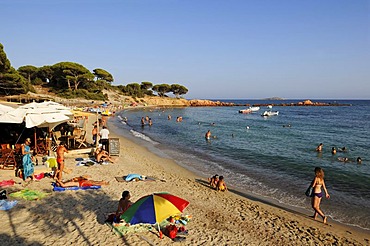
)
(82, 181)
(319, 148)
(213, 181)
(221, 185)
(102, 155)
(123, 204)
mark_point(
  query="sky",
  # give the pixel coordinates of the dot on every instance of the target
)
(218, 49)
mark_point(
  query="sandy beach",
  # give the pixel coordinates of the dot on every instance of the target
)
(218, 218)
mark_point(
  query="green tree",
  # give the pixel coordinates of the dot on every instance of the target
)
(70, 75)
(162, 89)
(29, 72)
(11, 82)
(178, 90)
(45, 73)
(134, 90)
(101, 74)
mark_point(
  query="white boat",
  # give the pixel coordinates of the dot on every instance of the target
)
(254, 108)
(269, 106)
(245, 111)
(270, 113)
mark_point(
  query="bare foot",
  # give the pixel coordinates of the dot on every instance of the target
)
(325, 220)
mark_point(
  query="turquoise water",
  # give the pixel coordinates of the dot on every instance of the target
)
(260, 155)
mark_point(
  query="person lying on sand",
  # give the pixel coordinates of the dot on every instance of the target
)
(82, 181)
(221, 185)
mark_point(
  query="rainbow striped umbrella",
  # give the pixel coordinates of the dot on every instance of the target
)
(154, 208)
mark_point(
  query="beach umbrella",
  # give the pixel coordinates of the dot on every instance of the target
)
(154, 208)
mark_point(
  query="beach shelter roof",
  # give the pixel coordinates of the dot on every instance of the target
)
(46, 114)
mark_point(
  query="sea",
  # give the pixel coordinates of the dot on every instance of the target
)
(270, 157)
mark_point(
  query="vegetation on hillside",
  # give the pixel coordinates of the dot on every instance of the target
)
(73, 80)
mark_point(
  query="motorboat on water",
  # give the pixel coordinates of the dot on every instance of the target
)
(254, 108)
(269, 106)
(270, 113)
(245, 111)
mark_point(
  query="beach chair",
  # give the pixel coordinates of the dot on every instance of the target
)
(7, 159)
(56, 136)
(81, 140)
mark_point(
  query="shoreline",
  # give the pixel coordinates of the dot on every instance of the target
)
(306, 212)
(77, 217)
(272, 203)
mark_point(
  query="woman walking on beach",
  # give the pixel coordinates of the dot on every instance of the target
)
(318, 183)
(27, 161)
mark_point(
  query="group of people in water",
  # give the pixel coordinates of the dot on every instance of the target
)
(334, 151)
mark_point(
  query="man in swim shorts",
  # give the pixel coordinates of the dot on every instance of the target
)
(60, 159)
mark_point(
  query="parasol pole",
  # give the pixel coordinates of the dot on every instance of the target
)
(97, 129)
(160, 233)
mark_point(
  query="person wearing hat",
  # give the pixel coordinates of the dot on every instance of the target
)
(28, 170)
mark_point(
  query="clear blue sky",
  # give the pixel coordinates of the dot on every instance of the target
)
(216, 48)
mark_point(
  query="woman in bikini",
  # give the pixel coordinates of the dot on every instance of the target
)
(82, 181)
(123, 204)
(318, 183)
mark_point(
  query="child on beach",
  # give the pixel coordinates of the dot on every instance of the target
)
(123, 204)
(317, 183)
(221, 185)
(213, 181)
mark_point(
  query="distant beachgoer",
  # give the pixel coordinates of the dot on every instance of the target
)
(213, 181)
(147, 118)
(359, 160)
(123, 204)
(319, 148)
(318, 183)
(94, 133)
(333, 150)
(221, 185)
(208, 135)
(60, 159)
(102, 155)
(343, 159)
(142, 121)
(82, 181)
(104, 138)
(28, 170)
(169, 117)
(150, 122)
(344, 149)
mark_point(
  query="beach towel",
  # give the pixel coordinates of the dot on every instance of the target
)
(86, 162)
(58, 188)
(134, 177)
(29, 194)
(6, 183)
(6, 205)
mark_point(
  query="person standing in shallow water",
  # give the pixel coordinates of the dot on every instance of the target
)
(318, 183)
(319, 148)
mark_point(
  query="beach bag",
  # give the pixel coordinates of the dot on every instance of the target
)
(171, 231)
(309, 191)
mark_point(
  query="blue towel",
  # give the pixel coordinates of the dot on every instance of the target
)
(6, 205)
(132, 176)
(58, 188)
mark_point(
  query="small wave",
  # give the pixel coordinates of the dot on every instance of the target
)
(142, 136)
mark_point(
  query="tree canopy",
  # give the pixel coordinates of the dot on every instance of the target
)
(70, 79)
(11, 82)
